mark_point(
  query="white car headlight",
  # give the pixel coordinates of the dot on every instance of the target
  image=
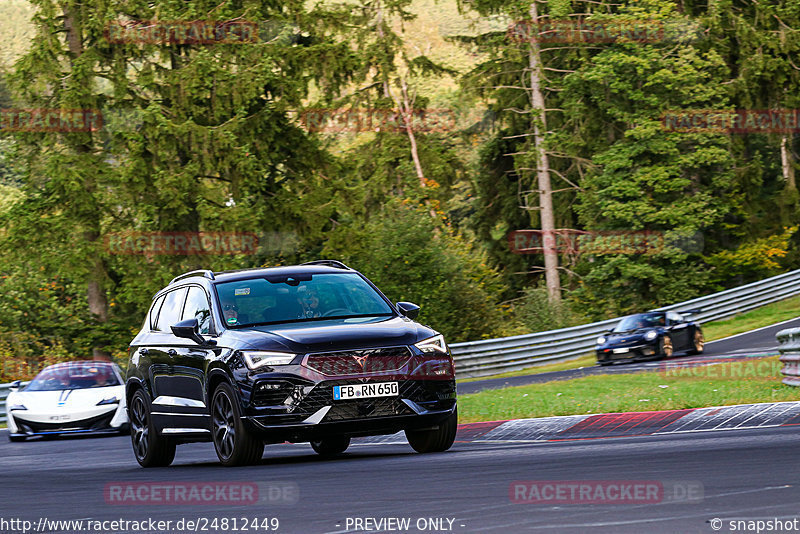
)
(13, 407)
(261, 358)
(433, 344)
(650, 335)
(110, 400)
(600, 340)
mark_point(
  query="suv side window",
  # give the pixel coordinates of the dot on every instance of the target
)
(171, 310)
(154, 312)
(197, 308)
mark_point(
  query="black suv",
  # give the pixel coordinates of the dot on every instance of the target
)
(313, 352)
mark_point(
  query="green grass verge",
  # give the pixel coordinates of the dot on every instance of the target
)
(743, 322)
(581, 361)
(739, 382)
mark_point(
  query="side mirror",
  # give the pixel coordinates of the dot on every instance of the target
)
(188, 328)
(15, 384)
(409, 309)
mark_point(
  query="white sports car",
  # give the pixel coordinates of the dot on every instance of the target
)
(67, 398)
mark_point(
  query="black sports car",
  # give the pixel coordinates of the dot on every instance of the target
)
(313, 353)
(652, 335)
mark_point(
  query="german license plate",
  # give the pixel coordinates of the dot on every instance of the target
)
(366, 391)
(620, 351)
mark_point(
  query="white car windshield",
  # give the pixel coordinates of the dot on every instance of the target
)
(74, 375)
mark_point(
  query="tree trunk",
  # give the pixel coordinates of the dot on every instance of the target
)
(787, 163)
(95, 292)
(407, 111)
(543, 166)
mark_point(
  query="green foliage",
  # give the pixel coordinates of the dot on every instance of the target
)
(192, 144)
(647, 178)
(538, 314)
(753, 259)
(411, 259)
(203, 138)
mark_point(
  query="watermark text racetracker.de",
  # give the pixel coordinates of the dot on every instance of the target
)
(200, 493)
(50, 120)
(738, 121)
(359, 120)
(182, 32)
(604, 491)
(599, 242)
(730, 368)
(181, 243)
(567, 31)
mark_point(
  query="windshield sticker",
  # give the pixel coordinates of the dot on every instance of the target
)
(241, 291)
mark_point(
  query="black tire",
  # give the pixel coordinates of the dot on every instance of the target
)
(665, 347)
(604, 364)
(235, 445)
(15, 439)
(150, 449)
(698, 342)
(436, 440)
(328, 447)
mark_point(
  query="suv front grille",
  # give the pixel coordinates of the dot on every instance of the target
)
(322, 395)
(359, 362)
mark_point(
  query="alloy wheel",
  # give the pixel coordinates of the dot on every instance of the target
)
(224, 422)
(140, 430)
(666, 347)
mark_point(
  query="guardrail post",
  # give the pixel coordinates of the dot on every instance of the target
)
(4, 389)
(789, 347)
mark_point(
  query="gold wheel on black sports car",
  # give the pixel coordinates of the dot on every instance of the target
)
(666, 347)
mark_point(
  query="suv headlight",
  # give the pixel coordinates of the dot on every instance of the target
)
(433, 344)
(261, 358)
(600, 340)
(650, 335)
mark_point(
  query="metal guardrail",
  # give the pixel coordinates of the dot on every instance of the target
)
(4, 389)
(789, 347)
(492, 356)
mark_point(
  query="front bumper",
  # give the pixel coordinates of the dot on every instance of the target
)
(367, 426)
(631, 352)
(313, 413)
(114, 420)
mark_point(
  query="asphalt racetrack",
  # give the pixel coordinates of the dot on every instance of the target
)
(706, 481)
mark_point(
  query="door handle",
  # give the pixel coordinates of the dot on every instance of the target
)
(172, 352)
(144, 352)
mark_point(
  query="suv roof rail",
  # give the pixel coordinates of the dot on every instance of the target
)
(329, 263)
(200, 272)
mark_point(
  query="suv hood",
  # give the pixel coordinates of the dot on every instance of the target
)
(336, 334)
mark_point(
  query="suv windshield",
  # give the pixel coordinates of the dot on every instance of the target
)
(74, 375)
(304, 297)
(641, 320)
